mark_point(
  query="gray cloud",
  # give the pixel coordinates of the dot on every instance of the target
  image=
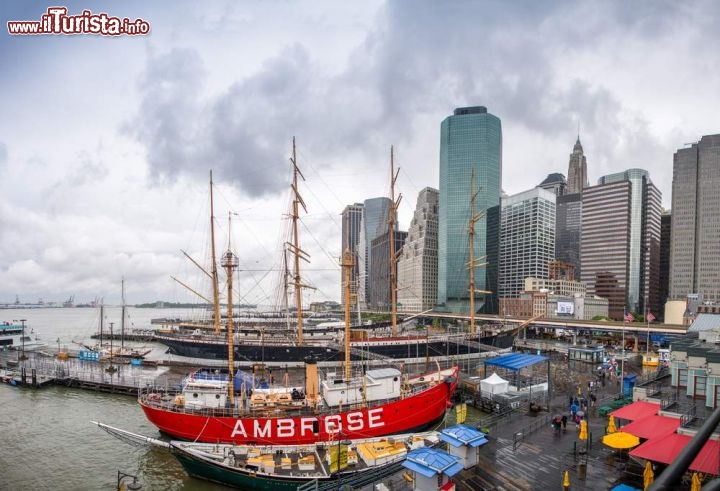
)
(3, 154)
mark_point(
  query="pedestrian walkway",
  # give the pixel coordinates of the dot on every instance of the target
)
(525, 453)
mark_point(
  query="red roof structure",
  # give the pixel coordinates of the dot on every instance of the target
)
(666, 449)
(637, 410)
(652, 426)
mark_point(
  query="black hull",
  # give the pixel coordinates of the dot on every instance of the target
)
(255, 353)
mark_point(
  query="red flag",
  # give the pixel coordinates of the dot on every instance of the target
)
(629, 317)
(650, 317)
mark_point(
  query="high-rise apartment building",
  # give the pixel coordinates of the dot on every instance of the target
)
(620, 242)
(375, 219)
(418, 262)
(470, 146)
(577, 170)
(695, 235)
(527, 239)
(351, 223)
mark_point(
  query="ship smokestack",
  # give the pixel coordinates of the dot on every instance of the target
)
(311, 379)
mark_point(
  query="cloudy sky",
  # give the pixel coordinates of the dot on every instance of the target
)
(106, 143)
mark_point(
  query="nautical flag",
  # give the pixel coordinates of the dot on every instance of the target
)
(650, 317)
(629, 317)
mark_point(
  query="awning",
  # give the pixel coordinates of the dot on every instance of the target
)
(652, 426)
(515, 361)
(430, 462)
(666, 449)
(636, 410)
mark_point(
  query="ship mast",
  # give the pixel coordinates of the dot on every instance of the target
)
(229, 262)
(473, 263)
(295, 246)
(214, 273)
(391, 237)
(347, 265)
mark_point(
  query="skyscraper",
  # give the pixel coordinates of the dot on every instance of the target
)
(418, 261)
(568, 226)
(665, 232)
(620, 242)
(380, 291)
(577, 170)
(351, 222)
(470, 143)
(527, 239)
(376, 216)
(695, 222)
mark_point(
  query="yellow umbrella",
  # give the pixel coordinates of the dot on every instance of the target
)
(566, 480)
(621, 440)
(611, 424)
(583, 430)
(696, 482)
(648, 475)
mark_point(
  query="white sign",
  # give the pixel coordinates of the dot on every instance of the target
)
(565, 308)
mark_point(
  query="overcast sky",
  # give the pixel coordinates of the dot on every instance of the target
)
(106, 143)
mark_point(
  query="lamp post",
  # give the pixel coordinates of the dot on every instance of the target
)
(22, 356)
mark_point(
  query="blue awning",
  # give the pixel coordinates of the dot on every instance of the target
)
(460, 435)
(515, 361)
(430, 461)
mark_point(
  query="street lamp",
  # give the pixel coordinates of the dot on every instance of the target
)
(23, 357)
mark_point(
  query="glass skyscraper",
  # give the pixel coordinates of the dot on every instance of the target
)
(470, 140)
(375, 219)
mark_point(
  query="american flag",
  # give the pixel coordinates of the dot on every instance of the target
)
(650, 317)
(629, 317)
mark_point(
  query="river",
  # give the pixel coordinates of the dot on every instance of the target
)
(48, 440)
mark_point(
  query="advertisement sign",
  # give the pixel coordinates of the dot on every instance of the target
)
(565, 308)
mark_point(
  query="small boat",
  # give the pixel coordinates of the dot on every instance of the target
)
(275, 467)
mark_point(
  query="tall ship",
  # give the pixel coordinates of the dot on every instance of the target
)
(264, 339)
(375, 403)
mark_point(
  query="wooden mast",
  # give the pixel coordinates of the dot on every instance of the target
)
(295, 246)
(472, 263)
(391, 238)
(229, 263)
(347, 265)
(214, 272)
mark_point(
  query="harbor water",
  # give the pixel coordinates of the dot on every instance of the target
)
(48, 440)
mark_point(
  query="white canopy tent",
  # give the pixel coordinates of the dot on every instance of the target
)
(494, 385)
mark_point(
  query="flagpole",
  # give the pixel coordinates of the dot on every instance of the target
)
(647, 342)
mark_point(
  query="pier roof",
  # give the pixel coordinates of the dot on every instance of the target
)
(516, 361)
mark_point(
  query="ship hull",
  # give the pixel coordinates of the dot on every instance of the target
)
(413, 413)
(396, 349)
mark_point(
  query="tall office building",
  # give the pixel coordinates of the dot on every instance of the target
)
(375, 219)
(695, 235)
(379, 273)
(620, 242)
(418, 262)
(527, 239)
(470, 144)
(568, 226)
(351, 222)
(665, 232)
(577, 170)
